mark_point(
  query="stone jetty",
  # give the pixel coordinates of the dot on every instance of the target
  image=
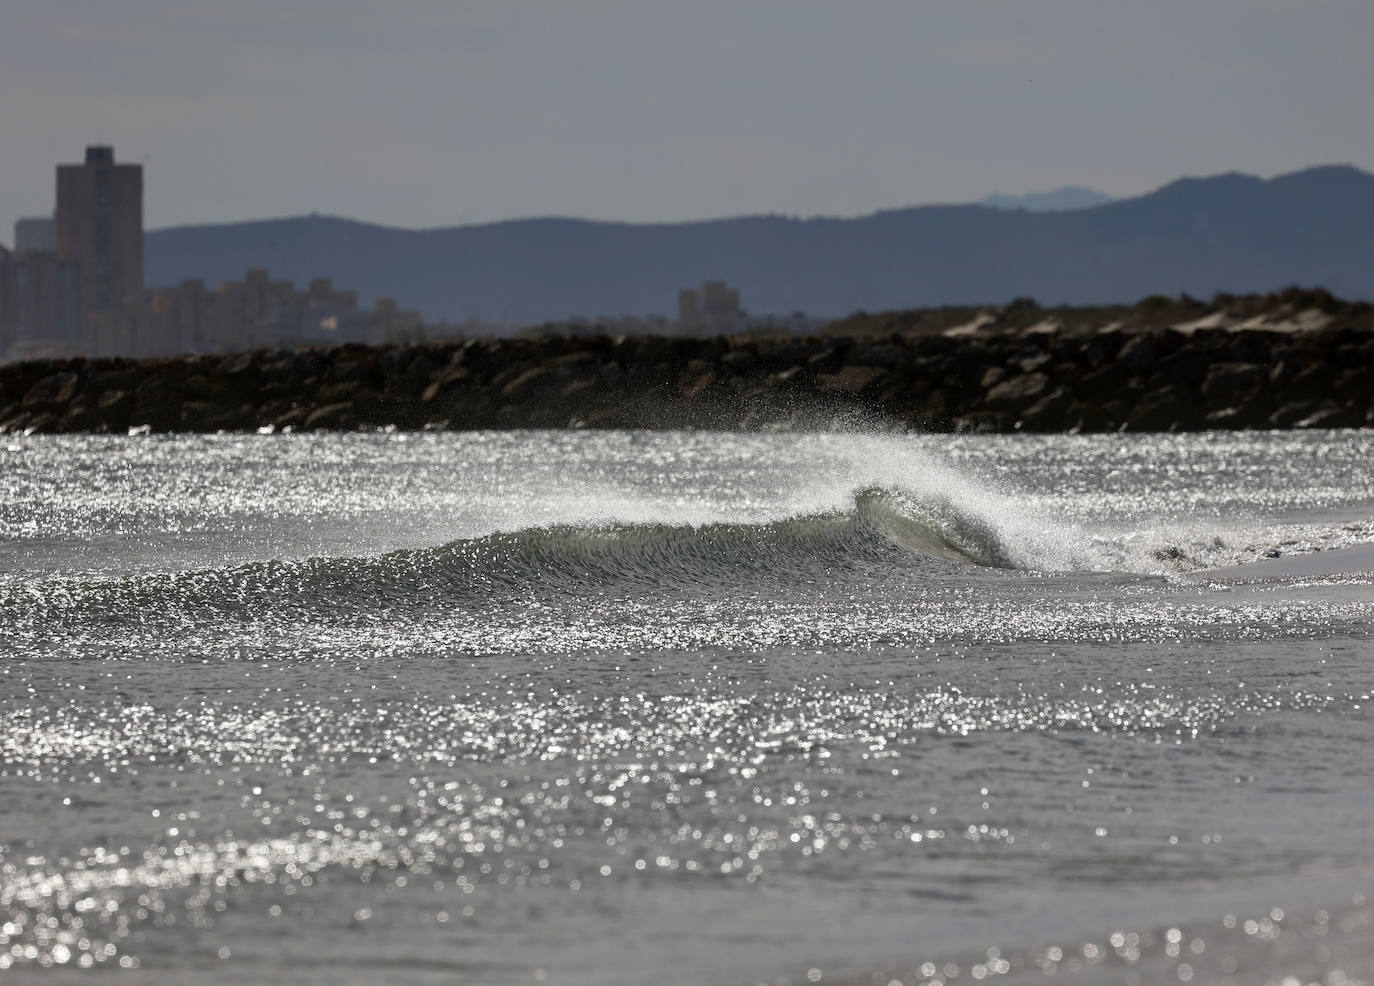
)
(1298, 359)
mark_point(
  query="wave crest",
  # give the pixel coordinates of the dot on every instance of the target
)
(882, 531)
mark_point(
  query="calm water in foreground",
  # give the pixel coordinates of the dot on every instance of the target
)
(687, 708)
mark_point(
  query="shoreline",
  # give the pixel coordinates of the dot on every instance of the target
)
(1300, 359)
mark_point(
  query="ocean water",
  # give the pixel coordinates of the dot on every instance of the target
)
(603, 708)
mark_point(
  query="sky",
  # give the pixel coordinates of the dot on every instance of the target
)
(423, 113)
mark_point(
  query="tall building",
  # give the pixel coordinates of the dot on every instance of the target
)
(100, 229)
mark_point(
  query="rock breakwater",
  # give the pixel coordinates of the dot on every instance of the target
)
(1296, 360)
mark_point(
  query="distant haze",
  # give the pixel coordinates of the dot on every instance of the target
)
(426, 113)
(1060, 200)
(1231, 232)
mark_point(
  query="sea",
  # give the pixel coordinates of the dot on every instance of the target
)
(581, 707)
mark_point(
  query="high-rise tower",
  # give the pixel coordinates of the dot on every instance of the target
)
(100, 229)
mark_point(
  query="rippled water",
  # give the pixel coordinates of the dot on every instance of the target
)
(687, 708)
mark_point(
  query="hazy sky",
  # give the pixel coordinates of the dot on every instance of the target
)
(434, 112)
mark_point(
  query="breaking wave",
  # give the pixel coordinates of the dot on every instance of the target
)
(883, 533)
(882, 528)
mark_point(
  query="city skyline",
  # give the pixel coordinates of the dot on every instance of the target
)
(74, 286)
(454, 114)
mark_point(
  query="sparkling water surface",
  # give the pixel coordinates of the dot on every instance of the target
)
(580, 707)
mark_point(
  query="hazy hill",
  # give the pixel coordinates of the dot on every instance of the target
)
(1231, 232)
(1060, 200)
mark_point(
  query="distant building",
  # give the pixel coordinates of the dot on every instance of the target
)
(35, 305)
(711, 308)
(35, 235)
(7, 300)
(252, 313)
(74, 286)
(100, 229)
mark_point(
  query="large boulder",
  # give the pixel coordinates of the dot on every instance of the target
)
(1018, 392)
(1136, 355)
(888, 356)
(330, 416)
(1227, 384)
(851, 381)
(1052, 412)
(52, 393)
(1186, 367)
(1165, 409)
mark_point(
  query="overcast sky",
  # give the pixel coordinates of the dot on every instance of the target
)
(437, 112)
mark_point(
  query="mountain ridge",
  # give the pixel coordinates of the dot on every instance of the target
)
(1062, 199)
(1199, 235)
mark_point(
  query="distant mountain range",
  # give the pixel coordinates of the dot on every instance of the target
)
(1060, 200)
(1231, 232)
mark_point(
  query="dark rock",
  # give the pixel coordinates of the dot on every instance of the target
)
(528, 383)
(1018, 392)
(1314, 381)
(355, 365)
(409, 377)
(1165, 409)
(14, 423)
(508, 373)
(451, 381)
(788, 353)
(270, 411)
(612, 376)
(80, 418)
(195, 415)
(1355, 384)
(41, 423)
(980, 423)
(104, 380)
(1104, 382)
(903, 365)
(330, 416)
(1227, 383)
(738, 361)
(827, 360)
(1227, 419)
(577, 390)
(1093, 417)
(1050, 413)
(290, 420)
(851, 380)
(239, 418)
(1328, 415)
(52, 392)
(1250, 411)
(238, 365)
(367, 404)
(577, 365)
(702, 383)
(1137, 355)
(890, 357)
(1291, 412)
(655, 349)
(337, 393)
(1186, 367)
(931, 407)
(114, 408)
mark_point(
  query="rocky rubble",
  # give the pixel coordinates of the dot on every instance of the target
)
(1297, 360)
